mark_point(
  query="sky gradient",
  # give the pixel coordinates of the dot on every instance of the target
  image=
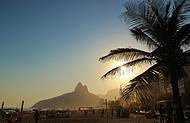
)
(48, 46)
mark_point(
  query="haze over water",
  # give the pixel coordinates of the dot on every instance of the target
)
(46, 47)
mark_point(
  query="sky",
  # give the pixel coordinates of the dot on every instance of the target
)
(48, 46)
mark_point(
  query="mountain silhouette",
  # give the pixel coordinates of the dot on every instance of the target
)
(80, 97)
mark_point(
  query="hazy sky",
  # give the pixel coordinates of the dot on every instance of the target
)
(48, 46)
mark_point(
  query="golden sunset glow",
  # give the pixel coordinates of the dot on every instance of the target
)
(118, 63)
(124, 72)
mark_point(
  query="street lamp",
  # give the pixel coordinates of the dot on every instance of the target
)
(106, 102)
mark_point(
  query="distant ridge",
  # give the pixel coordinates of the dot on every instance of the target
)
(80, 97)
(111, 94)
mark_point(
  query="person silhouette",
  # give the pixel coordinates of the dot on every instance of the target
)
(102, 112)
(161, 111)
(112, 112)
(36, 116)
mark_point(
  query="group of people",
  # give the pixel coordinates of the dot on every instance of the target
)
(118, 112)
(12, 118)
(36, 116)
(16, 117)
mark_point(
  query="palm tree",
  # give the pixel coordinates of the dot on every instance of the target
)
(164, 27)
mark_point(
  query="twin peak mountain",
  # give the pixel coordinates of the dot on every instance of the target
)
(80, 97)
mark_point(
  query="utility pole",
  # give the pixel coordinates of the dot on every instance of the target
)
(106, 101)
(2, 106)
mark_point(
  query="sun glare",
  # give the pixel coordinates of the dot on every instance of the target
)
(118, 63)
(124, 72)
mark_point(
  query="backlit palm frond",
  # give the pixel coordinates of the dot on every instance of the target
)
(139, 15)
(185, 58)
(185, 42)
(185, 14)
(141, 36)
(181, 11)
(128, 64)
(125, 54)
(176, 13)
(144, 94)
(141, 86)
(161, 9)
(140, 94)
(142, 21)
(183, 35)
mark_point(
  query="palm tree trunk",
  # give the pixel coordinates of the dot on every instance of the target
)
(178, 116)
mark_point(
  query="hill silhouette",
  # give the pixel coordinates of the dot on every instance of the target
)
(80, 97)
(111, 94)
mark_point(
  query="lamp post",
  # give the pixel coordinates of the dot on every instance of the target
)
(2, 106)
(106, 101)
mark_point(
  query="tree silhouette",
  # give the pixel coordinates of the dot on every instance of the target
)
(164, 27)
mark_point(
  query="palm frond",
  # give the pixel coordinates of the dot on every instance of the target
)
(158, 8)
(143, 84)
(176, 13)
(183, 34)
(185, 14)
(181, 11)
(140, 94)
(151, 75)
(141, 36)
(167, 14)
(142, 18)
(185, 42)
(185, 58)
(125, 54)
(128, 64)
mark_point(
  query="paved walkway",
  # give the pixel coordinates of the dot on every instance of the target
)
(133, 119)
(137, 119)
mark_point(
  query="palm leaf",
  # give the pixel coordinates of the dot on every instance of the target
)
(128, 64)
(143, 84)
(185, 14)
(144, 38)
(185, 58)
(125, 54)
(183, 35)
(176, 12)
(142, 22)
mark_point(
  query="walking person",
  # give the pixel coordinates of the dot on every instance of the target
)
(118, 113)
(19, 117)
(36, 116)
(102, 113)
(161, 111)
(93, 112)
(112, 112)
